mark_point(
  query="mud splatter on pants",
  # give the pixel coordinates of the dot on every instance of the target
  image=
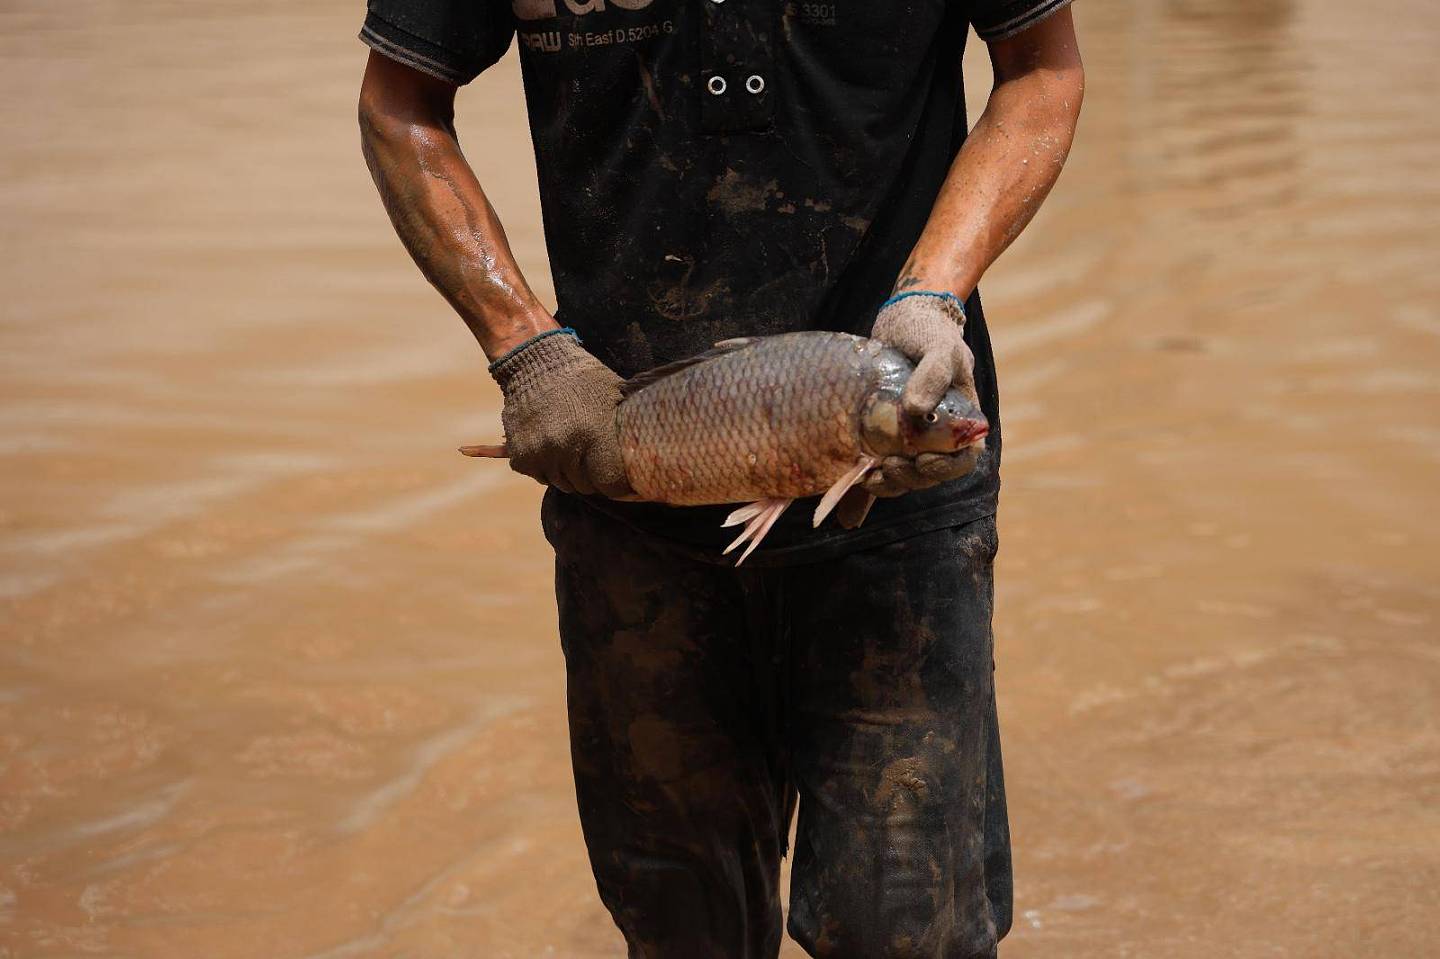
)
(705, 700)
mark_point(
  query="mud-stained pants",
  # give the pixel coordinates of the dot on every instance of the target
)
(702, 698)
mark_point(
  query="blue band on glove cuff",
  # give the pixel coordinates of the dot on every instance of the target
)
(959, 303)
(565, 330)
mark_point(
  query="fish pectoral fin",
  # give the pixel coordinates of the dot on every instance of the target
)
(758, 517)
(832, 496)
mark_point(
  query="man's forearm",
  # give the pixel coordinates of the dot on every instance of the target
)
(442, 215)
(1007, 165)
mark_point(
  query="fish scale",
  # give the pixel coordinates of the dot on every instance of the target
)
(770, 418)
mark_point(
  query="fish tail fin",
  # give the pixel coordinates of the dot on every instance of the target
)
(832, 496)
(497, 451)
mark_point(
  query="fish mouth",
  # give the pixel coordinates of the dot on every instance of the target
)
(969, 432)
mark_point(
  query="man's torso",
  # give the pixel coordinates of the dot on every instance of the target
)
(718, 168)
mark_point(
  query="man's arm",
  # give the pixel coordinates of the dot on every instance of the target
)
(1004, 170)
(560, 401)
(407, 132)
(1009, 162)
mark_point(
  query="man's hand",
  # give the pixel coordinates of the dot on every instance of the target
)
(559, 416)
(929, 328)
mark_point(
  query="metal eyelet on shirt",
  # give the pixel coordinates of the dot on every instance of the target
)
(755, 83)
(716, 85)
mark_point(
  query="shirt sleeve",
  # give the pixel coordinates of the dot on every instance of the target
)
(997, 19)
(453, 40)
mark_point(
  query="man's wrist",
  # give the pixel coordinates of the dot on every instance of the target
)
(952, 304)
(501, 335)
(515, 351)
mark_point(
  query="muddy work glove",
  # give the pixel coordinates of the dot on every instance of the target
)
(929, 328)
(559, 415)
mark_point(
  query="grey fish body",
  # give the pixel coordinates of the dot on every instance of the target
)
(765, 418)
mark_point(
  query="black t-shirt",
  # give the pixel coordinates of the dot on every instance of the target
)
(720, 168)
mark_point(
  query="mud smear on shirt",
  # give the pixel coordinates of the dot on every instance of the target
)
(279, 672)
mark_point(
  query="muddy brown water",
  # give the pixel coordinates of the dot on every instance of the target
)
(279, 675)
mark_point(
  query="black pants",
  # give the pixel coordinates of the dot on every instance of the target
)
(703, 698)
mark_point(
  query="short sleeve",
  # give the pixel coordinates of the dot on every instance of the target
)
(452, 40)
(998, 19)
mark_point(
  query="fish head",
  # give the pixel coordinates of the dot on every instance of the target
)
(954, 425)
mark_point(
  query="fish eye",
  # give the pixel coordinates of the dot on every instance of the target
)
(932, 417)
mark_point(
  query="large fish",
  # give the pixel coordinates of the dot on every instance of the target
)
(767, 420)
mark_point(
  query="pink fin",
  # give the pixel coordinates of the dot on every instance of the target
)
(765, 513)
(743, 513)
(752, 522)
(832, 496)
(770, 517)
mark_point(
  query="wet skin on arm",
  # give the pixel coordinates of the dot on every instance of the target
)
(1002, 173)
(559, 400)
(1009, 162)
(438, 208)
